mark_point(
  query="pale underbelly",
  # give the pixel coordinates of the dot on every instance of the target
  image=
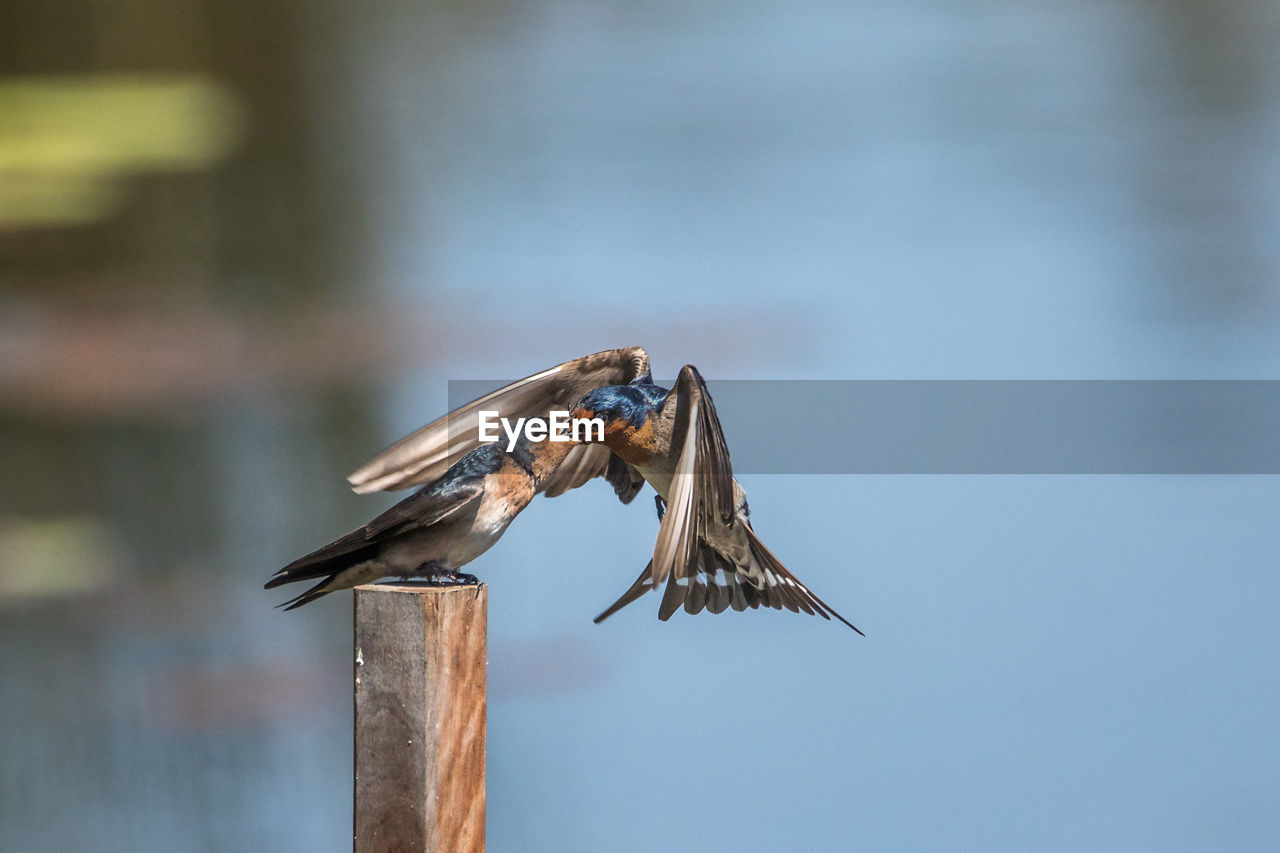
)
(659, 477)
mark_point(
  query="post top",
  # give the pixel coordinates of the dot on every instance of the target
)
(422, 588)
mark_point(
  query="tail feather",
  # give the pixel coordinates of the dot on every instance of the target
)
(718, 596)
(673, 596)
(721, 581)
(718, 585)
(794, 589)
(697, 596)
(643, 584)
(337, 565)
(310, 595)
(350, 550)
(345, 577)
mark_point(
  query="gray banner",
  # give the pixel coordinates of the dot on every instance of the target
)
(991, 427)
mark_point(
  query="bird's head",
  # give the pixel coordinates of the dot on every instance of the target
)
(622, 408)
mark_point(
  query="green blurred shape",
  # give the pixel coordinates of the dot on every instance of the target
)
(68, 144)
(53, 557)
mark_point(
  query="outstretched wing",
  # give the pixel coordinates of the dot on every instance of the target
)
(702, 493)
(424, 455)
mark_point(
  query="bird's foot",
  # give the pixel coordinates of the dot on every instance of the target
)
(437, 576)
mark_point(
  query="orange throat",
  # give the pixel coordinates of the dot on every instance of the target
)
(633, 446)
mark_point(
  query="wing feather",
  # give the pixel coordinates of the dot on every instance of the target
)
(674, 550)
(701, 493)
(584, 462)
(425, 454)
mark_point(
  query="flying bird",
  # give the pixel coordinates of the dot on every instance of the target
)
(706, 552)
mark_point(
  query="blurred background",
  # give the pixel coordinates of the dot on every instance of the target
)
(245, 245)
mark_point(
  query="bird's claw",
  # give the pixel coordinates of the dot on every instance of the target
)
(447, 577)
(436, 576)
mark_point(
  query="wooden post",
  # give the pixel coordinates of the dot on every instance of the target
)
(420, 705)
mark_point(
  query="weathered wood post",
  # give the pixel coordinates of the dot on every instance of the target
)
(420, 706)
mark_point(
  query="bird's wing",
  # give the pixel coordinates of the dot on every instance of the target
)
(427, 507)
(425, 454)
(587, 461)
(701, 494)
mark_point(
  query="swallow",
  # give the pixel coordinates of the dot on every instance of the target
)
(706, 552)
(440, 528)
(473, 490)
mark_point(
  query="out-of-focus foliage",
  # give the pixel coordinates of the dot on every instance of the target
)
(68, 145)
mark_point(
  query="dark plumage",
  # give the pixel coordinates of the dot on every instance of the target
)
(630, 403)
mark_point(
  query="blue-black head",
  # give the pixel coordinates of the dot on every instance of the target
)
(616, 405)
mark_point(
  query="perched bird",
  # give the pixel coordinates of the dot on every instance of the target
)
(437, 530)
(706, 552)
(473, 490)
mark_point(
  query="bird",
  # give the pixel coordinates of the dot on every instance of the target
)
(473, 490)
(437, 530)
(706, 552)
